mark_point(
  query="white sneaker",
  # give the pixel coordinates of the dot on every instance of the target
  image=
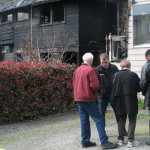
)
(121, 142)
(132, 144)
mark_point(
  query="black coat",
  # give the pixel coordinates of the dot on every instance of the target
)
(124, 94)
(105, 77)
(145, 83)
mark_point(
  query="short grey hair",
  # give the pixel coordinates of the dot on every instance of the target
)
(104, 56)
(87, 57)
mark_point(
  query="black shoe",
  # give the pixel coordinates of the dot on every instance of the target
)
(148, 143)
(89, 144)
(109, 145)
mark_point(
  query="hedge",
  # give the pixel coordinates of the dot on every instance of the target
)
(29, 90)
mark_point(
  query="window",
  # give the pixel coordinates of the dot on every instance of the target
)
(45, 14)
(52, 13)
(141, 25)
(6, 18)
(7, 48)
(70, 57)
(22, 15)
(9, 17)
(58, 13)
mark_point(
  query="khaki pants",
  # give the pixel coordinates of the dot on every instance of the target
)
(131, 128)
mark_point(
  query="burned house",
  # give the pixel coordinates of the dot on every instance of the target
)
(71, 26)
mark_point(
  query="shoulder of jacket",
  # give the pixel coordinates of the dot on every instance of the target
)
(146, 65)
(134, 73)
(98, 68)
(113, 66)
(118, 73)
(89, 68)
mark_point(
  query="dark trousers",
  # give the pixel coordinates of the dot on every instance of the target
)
(87, 109)
(102, 105)
(131, 128)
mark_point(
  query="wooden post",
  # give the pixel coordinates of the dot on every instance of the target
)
(31, 28)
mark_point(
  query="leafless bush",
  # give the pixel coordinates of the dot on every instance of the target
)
(58, 41)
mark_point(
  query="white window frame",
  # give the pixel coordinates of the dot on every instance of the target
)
(141, 45)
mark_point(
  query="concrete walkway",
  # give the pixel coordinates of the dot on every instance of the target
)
(62, 132)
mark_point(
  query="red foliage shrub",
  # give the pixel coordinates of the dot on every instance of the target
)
(29, 90)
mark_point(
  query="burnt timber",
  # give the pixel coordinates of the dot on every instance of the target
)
(88, 22)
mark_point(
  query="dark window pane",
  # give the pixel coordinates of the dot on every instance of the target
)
(7, 48)
(45, 14)
(7, 17)
(58, 13)
(141, 25)
(4, 18)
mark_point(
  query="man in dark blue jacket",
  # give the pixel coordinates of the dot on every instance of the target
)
(105, 72)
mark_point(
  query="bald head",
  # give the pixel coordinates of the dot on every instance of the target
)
(125, 64)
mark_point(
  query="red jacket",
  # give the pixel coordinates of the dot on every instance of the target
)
(85, 84)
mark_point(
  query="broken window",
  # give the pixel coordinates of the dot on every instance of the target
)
(70, 57)
(45, 56)
(1, 54)
(47, 11)
(141, 25)
(58, 13)
(6, 18)
(22, 15)
(116, 46)
(7, 48)
(9, 17)
(45, 14)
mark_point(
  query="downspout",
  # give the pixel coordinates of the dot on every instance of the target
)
(118, 18)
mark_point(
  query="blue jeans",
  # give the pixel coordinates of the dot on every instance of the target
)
(102, 105)
(87, 109)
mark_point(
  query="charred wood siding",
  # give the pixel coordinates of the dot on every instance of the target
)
(44, 35)
(123, 20)
(96, 19)
(6, 34)
(21, 33)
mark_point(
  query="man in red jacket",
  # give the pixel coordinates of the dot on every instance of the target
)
(85, 87)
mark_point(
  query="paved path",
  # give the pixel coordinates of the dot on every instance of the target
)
(62, 132)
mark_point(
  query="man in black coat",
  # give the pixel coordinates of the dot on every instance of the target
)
(125, 102)
(105, 72)
(145, 81)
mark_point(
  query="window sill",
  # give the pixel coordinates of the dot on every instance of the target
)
(142, 45)
(44, 25)
(60, 22)
(8, 22)
(22, 20)
(54, 23)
